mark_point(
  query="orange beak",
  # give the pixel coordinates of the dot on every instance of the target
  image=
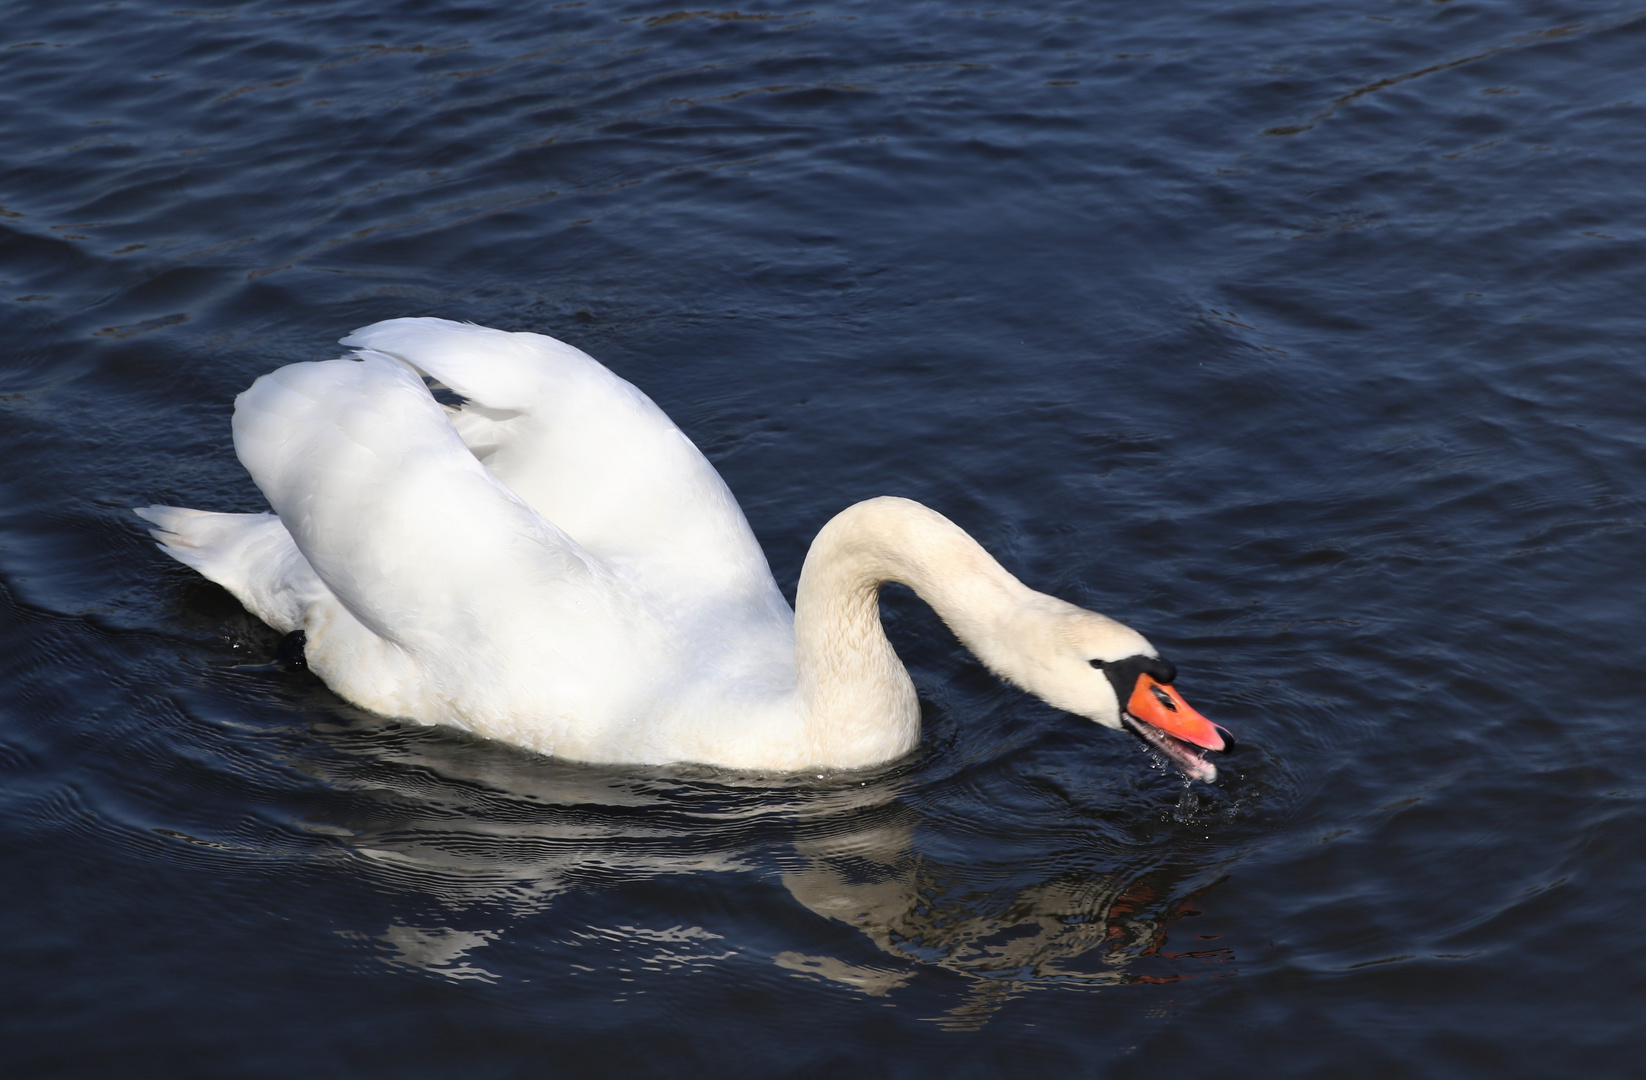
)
(1158, 705)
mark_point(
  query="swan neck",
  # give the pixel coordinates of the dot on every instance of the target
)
(858, 702)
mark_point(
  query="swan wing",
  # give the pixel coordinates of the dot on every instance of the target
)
(593, 454)
(463, 603)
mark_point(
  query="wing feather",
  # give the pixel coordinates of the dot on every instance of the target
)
(500, 610)
(596, 456)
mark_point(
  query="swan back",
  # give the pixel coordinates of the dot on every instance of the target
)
(593, 454)
(459, 603)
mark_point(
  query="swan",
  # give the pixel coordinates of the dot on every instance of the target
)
(554, 564)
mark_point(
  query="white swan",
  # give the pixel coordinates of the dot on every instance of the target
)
(555, 565)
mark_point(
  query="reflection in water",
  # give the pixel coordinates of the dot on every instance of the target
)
(494, 836)
(438, 949)
(1008, 941)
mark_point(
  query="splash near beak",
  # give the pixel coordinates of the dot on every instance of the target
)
(1159, 706)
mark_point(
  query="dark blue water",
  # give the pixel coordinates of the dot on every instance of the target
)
(1305, 337)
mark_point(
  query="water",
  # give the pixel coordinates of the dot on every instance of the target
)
(1304, 337)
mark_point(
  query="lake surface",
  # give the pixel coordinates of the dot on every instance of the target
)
(1304, 337)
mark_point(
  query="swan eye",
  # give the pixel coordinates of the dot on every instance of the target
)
(1098, 664)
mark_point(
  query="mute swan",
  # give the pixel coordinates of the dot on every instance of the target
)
(555, 565)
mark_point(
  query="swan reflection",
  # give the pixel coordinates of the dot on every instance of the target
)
(437, 949)
(1078, 927)
(495, 838)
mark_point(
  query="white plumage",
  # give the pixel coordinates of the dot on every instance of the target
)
(554, 564)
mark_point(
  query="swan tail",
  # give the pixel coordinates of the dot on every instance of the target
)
(250, 555)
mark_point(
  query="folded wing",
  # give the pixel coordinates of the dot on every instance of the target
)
(597, 457)
(500, 612)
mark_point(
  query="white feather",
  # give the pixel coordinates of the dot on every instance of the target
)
(554, 564)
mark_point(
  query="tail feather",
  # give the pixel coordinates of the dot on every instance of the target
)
(250, 555)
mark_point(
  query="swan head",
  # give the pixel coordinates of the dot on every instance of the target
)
(1093, 666)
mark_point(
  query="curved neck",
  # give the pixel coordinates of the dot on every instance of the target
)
(858, 704)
